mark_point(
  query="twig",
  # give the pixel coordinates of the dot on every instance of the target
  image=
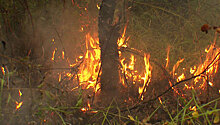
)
(60, 40)
(145, 85)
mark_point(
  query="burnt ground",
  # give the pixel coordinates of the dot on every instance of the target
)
(47, 101)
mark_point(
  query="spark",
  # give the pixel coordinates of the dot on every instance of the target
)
(18, 104)
(3, 70)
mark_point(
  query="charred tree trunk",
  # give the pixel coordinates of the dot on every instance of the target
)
(108, 36)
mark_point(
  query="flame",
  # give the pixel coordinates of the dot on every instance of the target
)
(193, 108)
(193, 70)
(211, 84)
(167, 59)
(210, 65)
(63, 54)
(181, 77)
(122, 41)
(147, 75)
(20, 93)
(18, 105)
(176, 66)
(3, 70)
(98, 7)
(88, 71)
(82, 29)
(160, 100)
(84, 109)
(60, 77)
(53, 54)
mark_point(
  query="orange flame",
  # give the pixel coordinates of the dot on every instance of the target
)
(3, 70)
(147, 75)
(176, 66)
(20, 93)
(53, 54)
(63, 54)
(168, 59)
(89, 69)
(18, 105)
(211, 62)
(122, 41)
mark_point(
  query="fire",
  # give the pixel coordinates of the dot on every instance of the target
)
(122, 41)
(53, 54)
(160, 100)
(89, 68)
(63, 54)
(210, 65)
(176, 66)
(147, 75)
(167, 59)
(98, 7)
(181, 77)
(20, 93)
(18, 105)
(3, 70)
(193, 108)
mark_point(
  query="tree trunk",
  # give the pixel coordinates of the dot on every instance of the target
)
(108, 36)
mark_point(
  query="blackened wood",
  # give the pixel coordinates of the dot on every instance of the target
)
(108, 36)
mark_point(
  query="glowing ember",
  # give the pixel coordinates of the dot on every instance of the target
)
(84, 109)
(59, 77)
(176, 66)
(122, 41)
(3, 70)
(98, 7)
(160, 100)
(181, 77)
(53, 54)
(193, 70)
(20, 93)
(63, 55)
(167, 59)
(193, 108)
(18, 105)
(210, 83)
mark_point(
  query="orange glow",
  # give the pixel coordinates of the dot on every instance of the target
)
(98, 7)
(83, 109)
(193, 108)
(59, 77)
(82, 29)
(210, 83)
(53, 54)
(167, 59)
(63, 55)
(147, 75)
(3, 70)
(211, 62)
(160, 100)
(18, 104)
(193, 70)
(88, 71)
(176, 66)
(122, 41)
(20, 93)
(181, 77)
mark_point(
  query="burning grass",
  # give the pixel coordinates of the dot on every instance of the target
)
(65, 90)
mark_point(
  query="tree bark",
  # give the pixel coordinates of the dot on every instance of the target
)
(108, 36)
